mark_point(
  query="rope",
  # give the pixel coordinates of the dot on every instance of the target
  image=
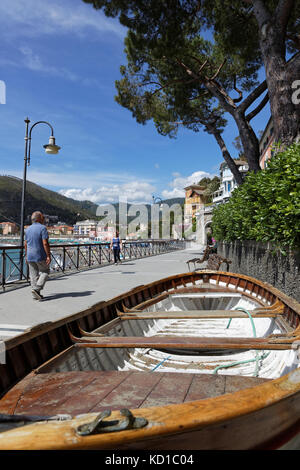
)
(257, 357)
(160, 363)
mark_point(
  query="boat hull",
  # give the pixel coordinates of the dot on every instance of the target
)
(260, 416)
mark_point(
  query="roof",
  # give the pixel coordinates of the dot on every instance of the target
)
(238, 162)
(196, 188)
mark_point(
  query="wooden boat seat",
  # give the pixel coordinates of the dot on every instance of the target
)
(185, 342)
(79, 392)
(196, 314)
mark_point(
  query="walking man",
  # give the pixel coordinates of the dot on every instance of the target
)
(37, 252)
(116, 246)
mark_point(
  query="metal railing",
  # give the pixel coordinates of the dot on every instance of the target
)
(68, 258)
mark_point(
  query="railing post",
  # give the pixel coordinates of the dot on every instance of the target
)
(3, 267)
(89, 261)
(77, 258)
(64, 259)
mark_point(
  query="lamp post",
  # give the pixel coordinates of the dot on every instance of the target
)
(156, 199)
(51, 149)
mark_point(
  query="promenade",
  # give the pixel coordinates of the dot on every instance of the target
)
(69, 294)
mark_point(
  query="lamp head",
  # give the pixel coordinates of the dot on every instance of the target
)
(51, 148)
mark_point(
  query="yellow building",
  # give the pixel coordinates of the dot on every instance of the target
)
(195, 200)
(9, 228)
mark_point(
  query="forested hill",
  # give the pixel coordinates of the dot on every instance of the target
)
(49, 202)
(37, 198)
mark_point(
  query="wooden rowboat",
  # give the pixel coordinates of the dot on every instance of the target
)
(202, 360)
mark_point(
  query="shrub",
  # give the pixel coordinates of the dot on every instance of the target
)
(266, 207)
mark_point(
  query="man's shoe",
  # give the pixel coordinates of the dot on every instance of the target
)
(36, 294)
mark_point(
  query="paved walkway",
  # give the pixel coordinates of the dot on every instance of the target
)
(72, 293)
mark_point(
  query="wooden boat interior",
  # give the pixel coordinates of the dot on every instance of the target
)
(190, 337)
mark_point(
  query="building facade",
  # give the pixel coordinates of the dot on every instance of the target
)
(266, 144)
(9, 228)
(195, 199)
(228, 183)
(85, 228)
(60, 230)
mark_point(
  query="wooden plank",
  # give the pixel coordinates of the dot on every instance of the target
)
(171, 389)
(45, 392)
(84, 399)
(131, 393)
(184, 342)
(192, 314)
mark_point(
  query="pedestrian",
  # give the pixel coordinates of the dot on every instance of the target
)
(38, 255)
(116, 246)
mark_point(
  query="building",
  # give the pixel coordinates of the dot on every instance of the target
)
(86, 228)
(105, 233)
(228, 183)
(195, 199)
(60, 230)
(9, 228)
(266, 144)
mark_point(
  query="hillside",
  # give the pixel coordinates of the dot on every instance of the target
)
(37, 198)
(49, 202)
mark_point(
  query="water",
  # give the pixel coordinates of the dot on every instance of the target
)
(12, 271)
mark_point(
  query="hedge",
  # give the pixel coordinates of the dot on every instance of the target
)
(266, 207)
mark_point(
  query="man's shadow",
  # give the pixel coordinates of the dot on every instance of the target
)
(69, 294)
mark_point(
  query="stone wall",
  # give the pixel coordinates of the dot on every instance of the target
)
(264, 262)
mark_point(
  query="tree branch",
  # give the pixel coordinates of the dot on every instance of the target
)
(262, 14)
(283, 12)
(261, 105)
(187, 69)
(219, 70)
(218, 92)
(237, 100)
(211, 129)
(253, 96)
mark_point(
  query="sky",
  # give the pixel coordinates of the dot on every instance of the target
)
(59, 61)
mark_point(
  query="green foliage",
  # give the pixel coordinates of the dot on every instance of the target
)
(211, 185)
(267, 206)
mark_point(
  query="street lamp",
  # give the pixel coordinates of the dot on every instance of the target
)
(156, 199)
(51, 149)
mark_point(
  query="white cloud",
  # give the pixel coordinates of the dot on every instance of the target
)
(100, 188)
(66, 179)
(134, 192)
(39, 17)
(33, 62)
(180, 182)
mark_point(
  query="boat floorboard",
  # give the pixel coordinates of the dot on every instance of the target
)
(94, 391)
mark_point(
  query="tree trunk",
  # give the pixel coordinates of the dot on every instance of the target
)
(226, 155)
(280, 73)
(249, 140)
(280, 76)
